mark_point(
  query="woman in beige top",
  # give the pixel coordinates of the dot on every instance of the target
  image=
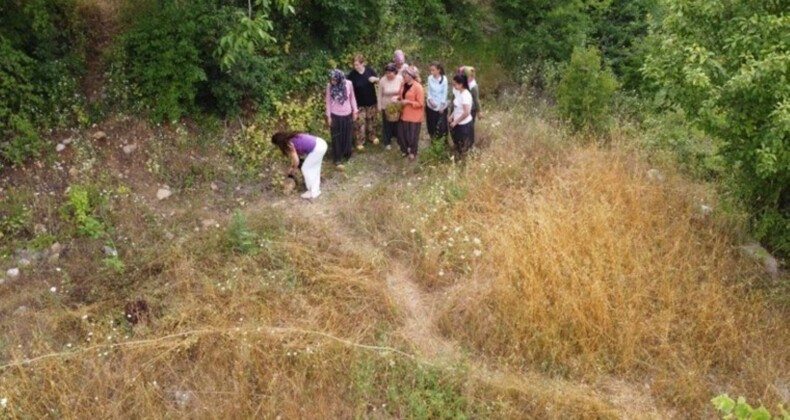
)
(389, 86)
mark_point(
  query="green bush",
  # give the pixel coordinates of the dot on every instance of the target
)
(240, 237)
(538, 30)
(81, 209)
(162, 56)
(740, 410)
(42, 48)
(726, 65)
(585, 91)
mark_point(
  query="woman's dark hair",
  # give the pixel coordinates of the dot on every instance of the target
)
(461, 78)
(438, 66)
(390, 68)
(281, 139)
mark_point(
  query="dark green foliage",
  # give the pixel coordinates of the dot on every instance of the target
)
(585, 92)
(619, 31)
(540, 30)
(163, 56)
(41, 56)
(343, 23)
(727, 64)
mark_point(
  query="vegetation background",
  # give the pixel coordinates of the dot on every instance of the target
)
(596, 257)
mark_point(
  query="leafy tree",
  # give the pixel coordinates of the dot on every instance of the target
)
(727, 64)
(538, 30)
(619, 31)
(585, 91)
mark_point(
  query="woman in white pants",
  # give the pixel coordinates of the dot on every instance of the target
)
(295, 144)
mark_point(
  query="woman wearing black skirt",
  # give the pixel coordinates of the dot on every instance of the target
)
(341, 111)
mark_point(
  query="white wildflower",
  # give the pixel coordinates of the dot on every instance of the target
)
(4, 402)
(53, 289)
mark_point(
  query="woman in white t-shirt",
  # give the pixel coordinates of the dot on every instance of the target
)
(461, 127)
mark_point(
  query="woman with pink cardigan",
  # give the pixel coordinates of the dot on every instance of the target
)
(341, 112)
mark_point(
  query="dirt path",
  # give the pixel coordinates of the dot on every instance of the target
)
(419, 308)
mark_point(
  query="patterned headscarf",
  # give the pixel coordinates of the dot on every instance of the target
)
(338, 90)
(467, 71)
(399, 57)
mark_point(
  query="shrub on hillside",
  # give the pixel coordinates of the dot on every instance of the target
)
(162, 57)
(726, 65)
(42, 50)
(586, 90)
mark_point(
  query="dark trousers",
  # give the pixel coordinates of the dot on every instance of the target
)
(409, 137)
(436, 123)
(342, 137)
(389, 129)
(463, 137)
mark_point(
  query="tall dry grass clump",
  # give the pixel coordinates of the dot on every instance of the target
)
(590, 268)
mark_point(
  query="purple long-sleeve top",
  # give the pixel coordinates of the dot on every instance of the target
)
(303, 143)
(346, 108)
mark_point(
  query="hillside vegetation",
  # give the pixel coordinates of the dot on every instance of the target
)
(592, 258)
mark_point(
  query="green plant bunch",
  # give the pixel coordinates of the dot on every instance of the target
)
(585, 91)
(740, 410)
(726, 64)
(80, 208)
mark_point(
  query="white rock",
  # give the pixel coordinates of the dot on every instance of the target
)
(99, 135)
(761, 255)
(110, 251)
(207, 223)
(214, 186)
(67, 141)
(56, 248)
(2, 280)
(655, 175)
(20, 310)
(129, 148)
(60, 147)
(705, 210)
(24, 262)
(163, 193)
(12, 273)
(73, 172)
(169, 236)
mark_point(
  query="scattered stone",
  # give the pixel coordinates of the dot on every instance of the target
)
(2, 281)
(39, 229)
(12, 273)
(74, 172)
(129, 148)
(24, 262)
(67, 141)
(163, 193)
(207, 223)
(182, 398)
(110, 251)
(21, 310)
(99, 135)
(655, 175)
(705, 210)
(214, 186)
(761, 255)
(169, 236)
(60, 147)
(56, 248)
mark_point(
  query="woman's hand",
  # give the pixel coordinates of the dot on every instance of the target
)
(431, 103)
(395, 99)
(373, 79)
(355, 115)
(329, 121)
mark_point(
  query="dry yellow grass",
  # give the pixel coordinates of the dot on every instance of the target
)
(561, 283)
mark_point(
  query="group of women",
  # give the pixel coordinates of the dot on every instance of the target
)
(356, 103)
